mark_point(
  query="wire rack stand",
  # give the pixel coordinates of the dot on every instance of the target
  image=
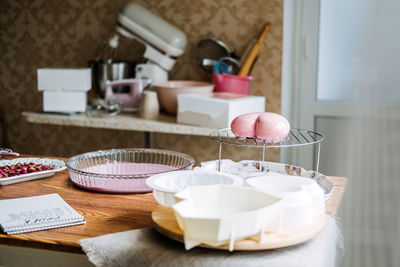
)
(296, 137)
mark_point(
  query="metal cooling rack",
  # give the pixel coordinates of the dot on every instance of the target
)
(295, 138)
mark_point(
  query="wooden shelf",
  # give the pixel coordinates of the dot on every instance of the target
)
(130, 122)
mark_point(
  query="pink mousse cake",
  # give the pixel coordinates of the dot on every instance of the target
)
(243, 126)
(266, 126)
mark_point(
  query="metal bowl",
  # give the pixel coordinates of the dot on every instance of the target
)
(103, 71)
(123, 170)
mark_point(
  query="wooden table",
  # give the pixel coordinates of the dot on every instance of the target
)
(104, 213)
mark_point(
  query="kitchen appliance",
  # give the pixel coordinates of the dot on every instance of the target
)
(130, 101)
(107, 69)
(163, 41)
(150, 74)
(99, 108)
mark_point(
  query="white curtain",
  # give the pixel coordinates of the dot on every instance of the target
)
(359, 61)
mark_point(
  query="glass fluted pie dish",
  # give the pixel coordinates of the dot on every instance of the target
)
(123, 170)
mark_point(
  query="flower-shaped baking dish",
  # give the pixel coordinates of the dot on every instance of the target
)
(302, 198)
(166, 185)
(222, 214)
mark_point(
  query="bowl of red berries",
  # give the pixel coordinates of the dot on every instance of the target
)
(25, 169)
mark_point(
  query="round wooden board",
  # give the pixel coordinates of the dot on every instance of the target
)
(165, 223)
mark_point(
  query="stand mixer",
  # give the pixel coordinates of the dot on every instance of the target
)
(163, 44)
(163, 41)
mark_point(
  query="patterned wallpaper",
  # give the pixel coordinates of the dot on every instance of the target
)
(53, 33)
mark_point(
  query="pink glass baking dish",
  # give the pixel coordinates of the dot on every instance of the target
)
(123, 170)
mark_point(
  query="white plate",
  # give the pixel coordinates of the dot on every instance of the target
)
(58, 165)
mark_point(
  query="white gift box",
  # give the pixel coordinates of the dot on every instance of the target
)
(64, 79)
(64, 101)
(64, 90)
(216, 110)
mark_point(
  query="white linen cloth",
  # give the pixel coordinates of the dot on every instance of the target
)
(146, 247)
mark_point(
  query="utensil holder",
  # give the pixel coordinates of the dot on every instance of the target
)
(231, 83)
(149, 106)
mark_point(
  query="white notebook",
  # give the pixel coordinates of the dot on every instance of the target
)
(28, 214)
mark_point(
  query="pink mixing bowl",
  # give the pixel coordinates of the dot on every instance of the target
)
(167, 92)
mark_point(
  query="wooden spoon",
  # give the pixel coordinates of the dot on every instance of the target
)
(255, 50)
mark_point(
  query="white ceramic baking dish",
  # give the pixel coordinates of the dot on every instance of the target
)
(220, 214)
(251, 168)
(302, 198)
(166, 185)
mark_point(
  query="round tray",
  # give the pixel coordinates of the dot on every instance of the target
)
(165, 223)
(296, 137)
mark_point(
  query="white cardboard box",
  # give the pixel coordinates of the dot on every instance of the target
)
(64, 90)
(64, 79)
(64, 101)
(217, 110)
